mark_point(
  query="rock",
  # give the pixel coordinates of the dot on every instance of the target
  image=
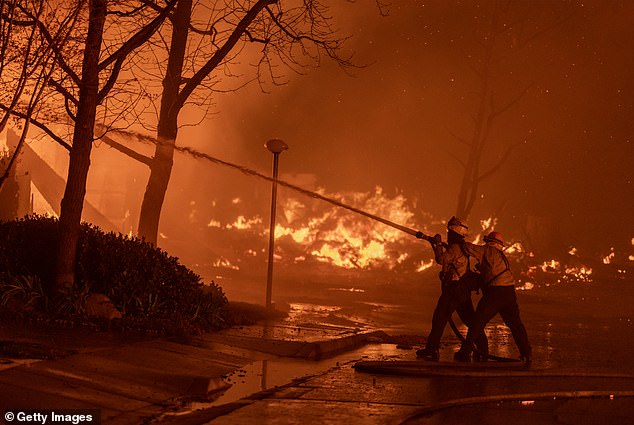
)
(100, 306)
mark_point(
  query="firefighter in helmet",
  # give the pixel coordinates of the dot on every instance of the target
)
(498, 297)
(456, 294)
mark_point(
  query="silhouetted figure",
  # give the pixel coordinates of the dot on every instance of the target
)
(456, 294)
(498, 297)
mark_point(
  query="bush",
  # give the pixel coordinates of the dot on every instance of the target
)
(143, 282)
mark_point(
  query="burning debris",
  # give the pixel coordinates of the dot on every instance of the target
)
(310, 233)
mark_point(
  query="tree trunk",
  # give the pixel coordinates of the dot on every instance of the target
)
(471, 177)
(73, 200)
(167, 129)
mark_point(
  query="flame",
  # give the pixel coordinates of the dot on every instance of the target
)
(608, 258)
(311, 230)
(401, 258)
(425, 265)
(225, 264)
(578, 274)
(243, 223)
(328, 254)
(551, 266)
(343, 239)
(525, 286)
(292, 210)
(488, 224)
(515, 248)
(565, 274)
(299, 236)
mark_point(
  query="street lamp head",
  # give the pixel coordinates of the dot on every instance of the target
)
(276, 146)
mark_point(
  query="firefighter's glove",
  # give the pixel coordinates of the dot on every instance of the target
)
(437, 239)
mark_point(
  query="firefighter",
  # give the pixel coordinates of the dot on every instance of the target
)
(456, 294)
(498, 297)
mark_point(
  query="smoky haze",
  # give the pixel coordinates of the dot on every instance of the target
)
(394, 122)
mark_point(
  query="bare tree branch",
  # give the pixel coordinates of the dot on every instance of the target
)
(63, 91)
(125, 150)
(59, 57)
(223, 51)
(498, 165)
(39, 125)
(139, 38)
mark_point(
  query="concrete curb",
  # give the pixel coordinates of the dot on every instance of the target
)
(314, 350)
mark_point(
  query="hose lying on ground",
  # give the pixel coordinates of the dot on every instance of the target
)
(469, 401)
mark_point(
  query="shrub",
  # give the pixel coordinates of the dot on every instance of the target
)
(143, 282)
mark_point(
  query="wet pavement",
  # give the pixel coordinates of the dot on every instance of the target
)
(341, 394)
(301, 371)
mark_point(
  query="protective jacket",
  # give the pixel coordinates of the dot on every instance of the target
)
(492, 263)
(453, 261)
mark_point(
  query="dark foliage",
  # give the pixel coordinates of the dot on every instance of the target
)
(143, 282)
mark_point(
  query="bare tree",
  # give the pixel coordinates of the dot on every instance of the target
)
(510, 28)
(207, 40)
(88, 64)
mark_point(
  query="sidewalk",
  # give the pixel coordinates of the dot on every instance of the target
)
(133, 379)
(259, 374)
(343, 395)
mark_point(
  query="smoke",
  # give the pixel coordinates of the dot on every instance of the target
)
(396, 123)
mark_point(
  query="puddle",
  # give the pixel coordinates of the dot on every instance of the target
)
(266, 374)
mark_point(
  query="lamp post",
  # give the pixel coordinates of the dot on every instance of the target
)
(276, 146)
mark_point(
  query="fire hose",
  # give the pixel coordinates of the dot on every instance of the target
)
(415, 416)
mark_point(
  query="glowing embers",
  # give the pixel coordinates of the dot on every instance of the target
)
(524, 285)
(514, 248)
(552, 266)
(347, 290)
(224, 264)
(424, 265)
(553, 269)
(577, 274)
(608, 258)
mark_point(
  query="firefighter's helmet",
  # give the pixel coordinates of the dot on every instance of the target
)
(456, 225)
(495, 237)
